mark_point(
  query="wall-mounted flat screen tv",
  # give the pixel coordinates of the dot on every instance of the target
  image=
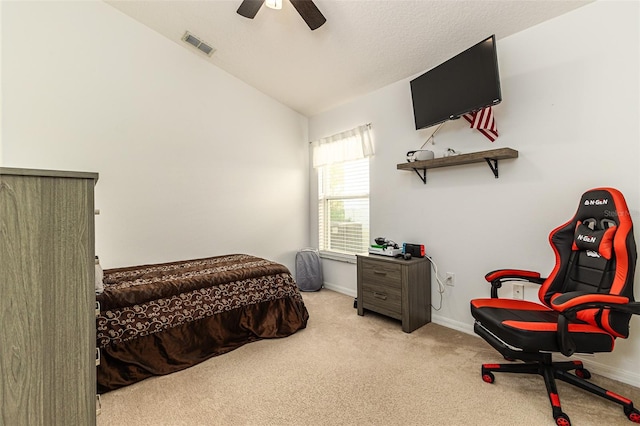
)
(467, 82)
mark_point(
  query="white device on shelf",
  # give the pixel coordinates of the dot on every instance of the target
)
(385, 247)
(385, 251)
(419, 155)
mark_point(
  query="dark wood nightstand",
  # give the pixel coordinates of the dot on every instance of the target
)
(397, 288)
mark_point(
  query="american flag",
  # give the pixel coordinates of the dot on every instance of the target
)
(483, 121)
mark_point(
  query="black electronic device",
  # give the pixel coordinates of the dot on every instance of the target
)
(384, 242)
(381, 241)
(465, 83)
(415, 250)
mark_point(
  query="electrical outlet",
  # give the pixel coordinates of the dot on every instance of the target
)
(518, 291)
(450, 279)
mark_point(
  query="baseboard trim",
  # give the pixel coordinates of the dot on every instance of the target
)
(610, 372)
(590, 362)
(340, 289)
(449, 323)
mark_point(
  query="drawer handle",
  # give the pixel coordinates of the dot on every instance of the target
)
(379, 272)
(381, 296)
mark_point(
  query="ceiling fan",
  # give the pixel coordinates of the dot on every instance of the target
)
(307, 10)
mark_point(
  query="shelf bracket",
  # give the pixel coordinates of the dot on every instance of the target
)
(493, 165)
(423, 176)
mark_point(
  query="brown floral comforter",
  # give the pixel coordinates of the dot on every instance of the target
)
(157, 319)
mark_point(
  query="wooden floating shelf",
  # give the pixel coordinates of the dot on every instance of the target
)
(491, 157)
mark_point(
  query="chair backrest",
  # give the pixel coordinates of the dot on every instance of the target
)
(595, 253)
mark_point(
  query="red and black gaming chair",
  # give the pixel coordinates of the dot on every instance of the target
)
(587, 301)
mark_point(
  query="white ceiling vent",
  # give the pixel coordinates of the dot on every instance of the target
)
(198, 44)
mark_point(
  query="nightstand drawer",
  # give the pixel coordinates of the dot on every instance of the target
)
(382, 299)
(381, 273)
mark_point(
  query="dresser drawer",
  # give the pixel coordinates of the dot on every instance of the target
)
(382, 299)
(381, 273)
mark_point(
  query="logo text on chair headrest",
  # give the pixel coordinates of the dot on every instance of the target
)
(586, 238)
(597, 202)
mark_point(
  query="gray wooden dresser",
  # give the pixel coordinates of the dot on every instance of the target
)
(47, 298)
(397, 288)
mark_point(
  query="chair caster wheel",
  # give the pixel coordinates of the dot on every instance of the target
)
(488, 377)
(562, 420)
(583, 373)
(633, 415)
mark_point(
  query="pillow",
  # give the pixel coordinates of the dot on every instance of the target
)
(598, 240)
(99, 277)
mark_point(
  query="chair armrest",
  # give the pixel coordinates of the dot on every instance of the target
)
(570, 303)
(577, 300)
(500, 276)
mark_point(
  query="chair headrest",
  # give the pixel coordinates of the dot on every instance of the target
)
(606, 206)
(590, 236)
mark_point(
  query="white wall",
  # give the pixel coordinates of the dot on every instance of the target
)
(570, 107)
(192, 161)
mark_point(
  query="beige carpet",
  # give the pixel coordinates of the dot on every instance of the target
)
(344, 369)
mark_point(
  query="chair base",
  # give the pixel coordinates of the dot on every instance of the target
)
(542, 364)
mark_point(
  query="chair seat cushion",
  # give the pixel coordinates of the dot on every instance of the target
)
(532, 327)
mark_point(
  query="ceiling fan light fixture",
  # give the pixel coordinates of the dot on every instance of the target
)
(306, 8)
(274, 4)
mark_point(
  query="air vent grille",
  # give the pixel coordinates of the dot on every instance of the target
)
(198, 44)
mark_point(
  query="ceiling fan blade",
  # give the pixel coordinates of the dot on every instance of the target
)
(249, 8)
(310, 13)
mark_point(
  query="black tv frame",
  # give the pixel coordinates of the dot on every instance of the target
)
(447, 82)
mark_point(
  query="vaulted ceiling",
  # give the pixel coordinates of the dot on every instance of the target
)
(364, 45)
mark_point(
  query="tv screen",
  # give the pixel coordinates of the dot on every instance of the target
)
(467, 82)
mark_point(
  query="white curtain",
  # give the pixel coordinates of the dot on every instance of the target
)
(351, 145)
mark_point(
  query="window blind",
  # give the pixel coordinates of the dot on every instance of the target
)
(343, 207)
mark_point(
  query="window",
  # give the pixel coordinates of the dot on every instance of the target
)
(343, 207)
(343, 192)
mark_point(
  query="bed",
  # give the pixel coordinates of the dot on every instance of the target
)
(162, 318)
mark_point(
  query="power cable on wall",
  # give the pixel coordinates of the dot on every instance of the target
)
(441, 286)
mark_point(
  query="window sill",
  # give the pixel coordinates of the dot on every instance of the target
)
(340, 257)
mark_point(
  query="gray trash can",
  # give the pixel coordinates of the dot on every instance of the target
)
(308, 270)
